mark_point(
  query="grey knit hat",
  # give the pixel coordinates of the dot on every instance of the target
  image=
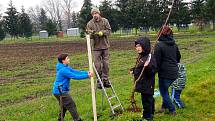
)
(95, 10)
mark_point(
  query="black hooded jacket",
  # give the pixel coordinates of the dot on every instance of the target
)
(147, 81)
(167, 56)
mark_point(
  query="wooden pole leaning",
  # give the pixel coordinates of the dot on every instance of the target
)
(91, 78)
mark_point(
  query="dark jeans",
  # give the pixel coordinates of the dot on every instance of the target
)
(164, 85)
(101, 60)
(148, 103)
(176, 98)
(68, 104)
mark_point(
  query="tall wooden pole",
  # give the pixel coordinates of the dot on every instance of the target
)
(92, 80)
(166, 21)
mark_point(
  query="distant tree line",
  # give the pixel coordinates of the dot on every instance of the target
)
(150, 14)
(58, 15)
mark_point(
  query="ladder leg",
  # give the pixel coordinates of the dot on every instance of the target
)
(105, 93)
(102, 101)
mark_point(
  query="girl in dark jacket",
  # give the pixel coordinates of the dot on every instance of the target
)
(167, 56)
(145, 85)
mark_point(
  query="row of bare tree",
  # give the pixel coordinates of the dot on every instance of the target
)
(56, 10)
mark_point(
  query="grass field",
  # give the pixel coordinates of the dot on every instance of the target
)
(25, 89)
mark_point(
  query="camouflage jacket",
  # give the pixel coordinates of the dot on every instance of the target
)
(179, 83)
(99, 42)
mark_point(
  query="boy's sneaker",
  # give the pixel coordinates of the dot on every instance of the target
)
(162, 110)
(147, 119)
(172, 113)
(179, 104)
(80, 119)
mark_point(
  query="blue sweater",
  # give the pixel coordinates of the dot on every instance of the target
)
(63, 75)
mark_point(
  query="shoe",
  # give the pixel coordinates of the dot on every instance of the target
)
(179, 105)
(99, 86)
(147, 119)
(162, 110)
(107, 84)
(80, 119)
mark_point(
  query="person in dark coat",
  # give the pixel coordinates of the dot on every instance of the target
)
(167, 56)
(145, 85)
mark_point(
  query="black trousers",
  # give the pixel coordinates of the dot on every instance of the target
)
(68, 104)
(148, 103)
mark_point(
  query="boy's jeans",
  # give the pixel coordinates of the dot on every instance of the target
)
(176, 98)
(164, 85)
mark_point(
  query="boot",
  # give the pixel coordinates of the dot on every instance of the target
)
(106, 83)
(99, 86)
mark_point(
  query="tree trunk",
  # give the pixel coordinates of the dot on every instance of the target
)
(135, 31)
(213, 24)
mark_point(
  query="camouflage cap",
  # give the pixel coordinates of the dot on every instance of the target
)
(96, 10)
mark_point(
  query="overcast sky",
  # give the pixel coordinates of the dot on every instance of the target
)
(31, 3)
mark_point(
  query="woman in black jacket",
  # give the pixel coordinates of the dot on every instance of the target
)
(145, 85)
(167, 56)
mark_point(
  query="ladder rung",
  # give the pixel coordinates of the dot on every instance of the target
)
(115, 106)
(112, 97)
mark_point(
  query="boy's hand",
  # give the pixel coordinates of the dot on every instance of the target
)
(90, 74)
(147, 61)
(130, 72)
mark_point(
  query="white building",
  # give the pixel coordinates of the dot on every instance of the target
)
(44, 34)
(73, 32)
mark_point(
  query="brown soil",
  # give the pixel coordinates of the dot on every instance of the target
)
(18, 55)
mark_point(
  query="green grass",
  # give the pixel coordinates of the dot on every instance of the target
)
(37, 39)
(113, 37)
(28, 97)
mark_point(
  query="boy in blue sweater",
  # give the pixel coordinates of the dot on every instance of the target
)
(63, 75)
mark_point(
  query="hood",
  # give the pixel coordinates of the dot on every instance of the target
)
(145, 43)
(169, 40)
(60, 66)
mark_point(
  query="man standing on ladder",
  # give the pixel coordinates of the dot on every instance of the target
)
(99, 29)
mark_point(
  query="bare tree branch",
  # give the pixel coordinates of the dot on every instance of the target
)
(34, 13)
(67, 7)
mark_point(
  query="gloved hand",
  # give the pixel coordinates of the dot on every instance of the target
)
(100, 33)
